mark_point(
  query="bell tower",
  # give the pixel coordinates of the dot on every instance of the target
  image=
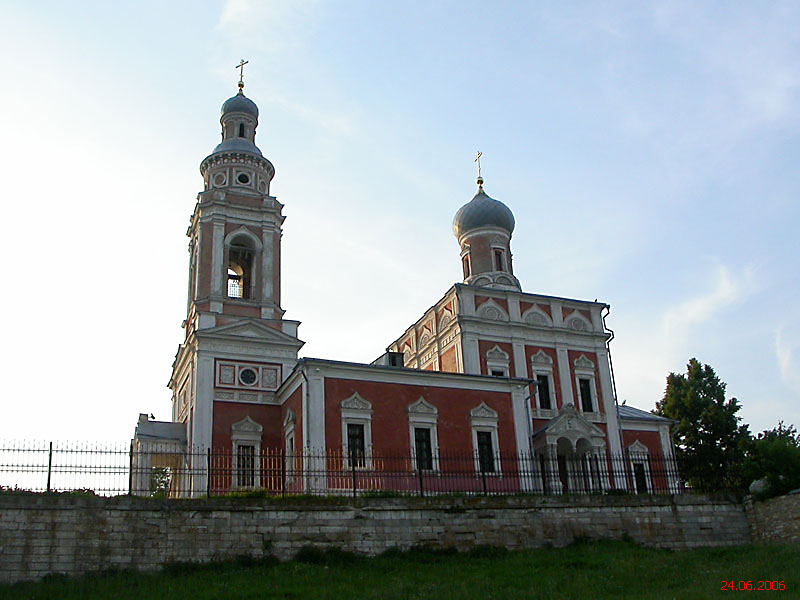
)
(238, 348)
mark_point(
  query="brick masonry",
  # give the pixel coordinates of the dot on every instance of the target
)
(42, 534)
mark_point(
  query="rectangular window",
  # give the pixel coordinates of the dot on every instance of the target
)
(498, 373)
(543, 385)
(485, 452)
(355, 445)
(640, 478)
(423, 448)
(465, 264)
(246, 465)
(586, 394)
(498, 260)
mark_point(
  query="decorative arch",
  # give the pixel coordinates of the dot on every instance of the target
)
(577, 322)
(536, 316)
(492, 311)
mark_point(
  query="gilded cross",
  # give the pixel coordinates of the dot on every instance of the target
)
(478, 160)
(240, 66)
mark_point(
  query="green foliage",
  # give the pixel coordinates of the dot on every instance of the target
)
(159, 482)
(585, 570)
(710, 442)
(774, 455)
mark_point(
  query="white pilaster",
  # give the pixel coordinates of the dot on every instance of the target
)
(472, 363)
(267, 260)
(217, 251)
(564, 372)
(520, 365)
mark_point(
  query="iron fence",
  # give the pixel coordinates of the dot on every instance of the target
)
(174, 471)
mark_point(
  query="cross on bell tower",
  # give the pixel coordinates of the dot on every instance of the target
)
(238, 347)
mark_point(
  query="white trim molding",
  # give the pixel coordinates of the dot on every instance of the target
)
(246, 433)
(355, 410)
(482, 418)
(424, 415)
(497, 360)
(639, 454)
(584, 369)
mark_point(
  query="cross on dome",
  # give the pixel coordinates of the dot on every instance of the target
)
(240, 66)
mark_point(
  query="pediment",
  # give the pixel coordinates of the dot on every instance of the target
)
(569, 420)
(482, 412)
(246, 425)
(355, 402)
(638, 448)
(541, 358)
(421, 407)
(290, 418)
(252, 329)
(496, 354)
(583, 363)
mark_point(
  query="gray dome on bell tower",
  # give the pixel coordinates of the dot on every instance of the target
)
(237, 163)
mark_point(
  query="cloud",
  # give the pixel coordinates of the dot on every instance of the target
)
(278, 23)
(728, 289)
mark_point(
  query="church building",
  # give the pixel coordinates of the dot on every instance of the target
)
(488, 372)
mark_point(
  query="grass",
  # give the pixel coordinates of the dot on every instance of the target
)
(587, 570)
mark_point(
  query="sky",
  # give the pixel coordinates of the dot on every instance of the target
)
(648, 150)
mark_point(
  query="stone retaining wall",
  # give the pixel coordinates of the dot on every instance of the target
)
(42, 534)
(776, 520)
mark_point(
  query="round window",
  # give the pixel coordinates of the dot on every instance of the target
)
(247, 376)
(243, 178)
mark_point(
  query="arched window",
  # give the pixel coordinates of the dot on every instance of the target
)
(241, 129)
(240, 268)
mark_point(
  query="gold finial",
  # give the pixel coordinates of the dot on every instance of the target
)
(480, 179)
(240, 66)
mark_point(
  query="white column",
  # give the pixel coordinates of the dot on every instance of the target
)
(522, 432)
(472, 363)
(217, 252)
(203, 419)
(520, 364)
(267, 260)
(609, 404)
(314, 425)
(564, 373)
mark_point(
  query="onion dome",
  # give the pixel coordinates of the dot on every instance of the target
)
(240, 104)
(482, 211)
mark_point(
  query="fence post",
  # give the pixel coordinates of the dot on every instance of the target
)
(353, 470)
(49, 465)
(130, 470)
(283, 472)
(208, 472)
(483, 477)
(419, 473)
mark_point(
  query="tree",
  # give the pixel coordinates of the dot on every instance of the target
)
(774, 457)
(710, 443)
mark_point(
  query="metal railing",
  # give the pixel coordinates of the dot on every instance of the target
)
(173, 471)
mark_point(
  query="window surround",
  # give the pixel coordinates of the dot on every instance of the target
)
(246, 433)
(497, 360)
(483, 418)
(423, 415)
(357, 411)
(542, 364)
(584, 369)
(638, 453)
